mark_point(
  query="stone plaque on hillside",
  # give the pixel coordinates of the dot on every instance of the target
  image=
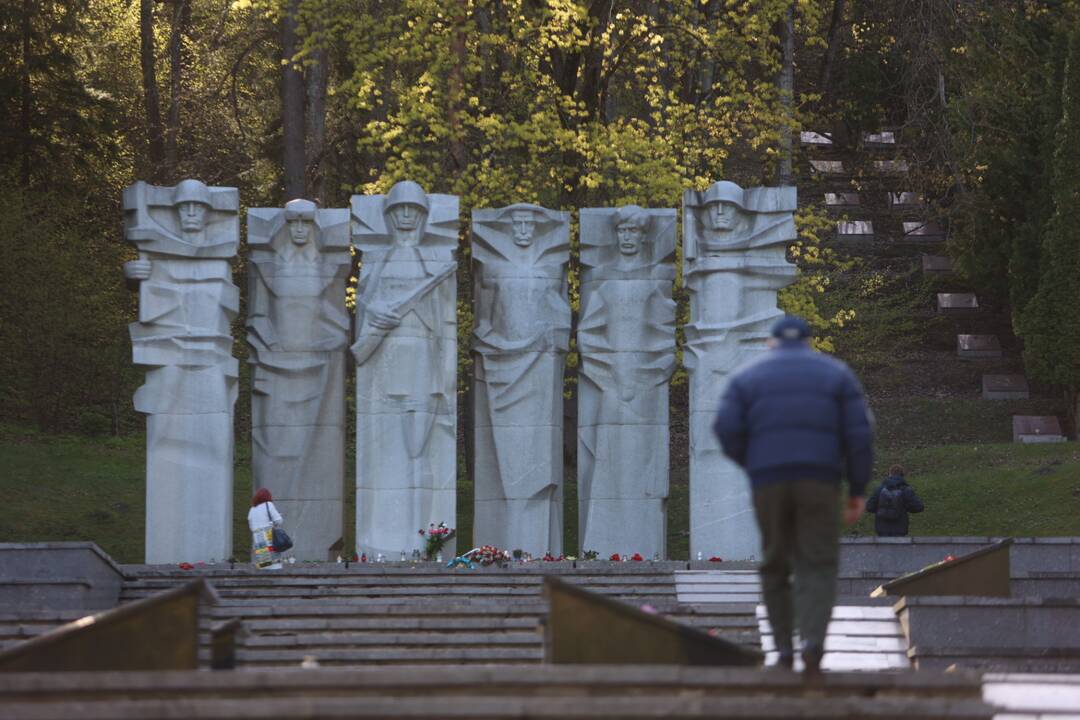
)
(808, 137)
(1005, 387)
(187, 236)
(883, 139)
(936, 264)
(735, 244)
(827, 167)
(834, 200)
(971, 347)
(891, 167)
(905, 200)
(626, 339)
(951, 303)
(923, 230)
(855, 230)
(1037, 429)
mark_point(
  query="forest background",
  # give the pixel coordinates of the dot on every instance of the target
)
(566, 103)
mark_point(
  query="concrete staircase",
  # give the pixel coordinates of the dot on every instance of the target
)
(400, 613)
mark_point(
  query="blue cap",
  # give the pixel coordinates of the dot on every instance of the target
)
(791, 327)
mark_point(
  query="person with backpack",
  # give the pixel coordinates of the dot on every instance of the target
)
(891, 503)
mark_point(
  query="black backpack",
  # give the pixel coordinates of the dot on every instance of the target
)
(891, 503)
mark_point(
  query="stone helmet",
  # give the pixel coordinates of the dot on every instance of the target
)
(299, 209)
(406, 192)
(191, 191)
(725, 191)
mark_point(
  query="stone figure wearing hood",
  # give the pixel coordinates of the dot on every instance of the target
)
(626, 338)
(520, 341)
(298, 329)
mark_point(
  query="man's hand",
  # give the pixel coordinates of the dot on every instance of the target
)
(854, 509)
(383, 318)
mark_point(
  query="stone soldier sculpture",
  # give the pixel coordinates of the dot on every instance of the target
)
(186, 236)
(734, 247)
(298, 330)
(406, 367)
(520, 341)
(626, 338)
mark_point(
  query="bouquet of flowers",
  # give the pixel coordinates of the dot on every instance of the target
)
(488, 555)
(548, 557)
(590, 555)
(435, 538)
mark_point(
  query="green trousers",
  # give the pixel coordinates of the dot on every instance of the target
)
(800, 529)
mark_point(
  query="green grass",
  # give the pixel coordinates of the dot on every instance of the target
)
(74, 488)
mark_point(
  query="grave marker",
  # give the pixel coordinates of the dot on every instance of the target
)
(809, 137)
(855, 230)
(1004, 387)
(970, 347)
(955, 303)
(923, 230)
(891, 167)
(936, 264)
(1037, 429)
(905, 199)
(884, 139)
(827, 167)
(834, 200)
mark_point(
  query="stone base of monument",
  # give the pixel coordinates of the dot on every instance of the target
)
(1005, 387)
(977, 347)
(1037, 429)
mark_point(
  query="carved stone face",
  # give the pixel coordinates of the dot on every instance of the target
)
(524, 227)
(300, 231)
(722, 216)
(192, 216)
(629, 236)
(406, 219)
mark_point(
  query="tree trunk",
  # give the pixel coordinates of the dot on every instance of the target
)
(316, 126)
(455, 89)
(180, 19)
(154, 131)
(26, 97)
(836, 23)
(786, 83)
(292, 108)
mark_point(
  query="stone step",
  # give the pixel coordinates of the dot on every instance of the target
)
(372, 641)
(564, 708)
(470, 683)
(644, 592)
(362, 657)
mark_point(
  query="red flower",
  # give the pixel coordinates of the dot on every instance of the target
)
(637, 557)
(716, 558)
(186, 566)
(948, 558)
(615, 557)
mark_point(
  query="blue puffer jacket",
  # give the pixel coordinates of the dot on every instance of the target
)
(906, 500)
(796, 413)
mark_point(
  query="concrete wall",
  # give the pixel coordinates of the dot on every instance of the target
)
(57, 576)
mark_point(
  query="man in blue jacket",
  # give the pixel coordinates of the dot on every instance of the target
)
(796, 420)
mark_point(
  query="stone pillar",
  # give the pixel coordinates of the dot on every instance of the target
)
(734, 247)
(186, 236)
(520, 341)
(626, 339)
(298, 330)
(406, 367)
